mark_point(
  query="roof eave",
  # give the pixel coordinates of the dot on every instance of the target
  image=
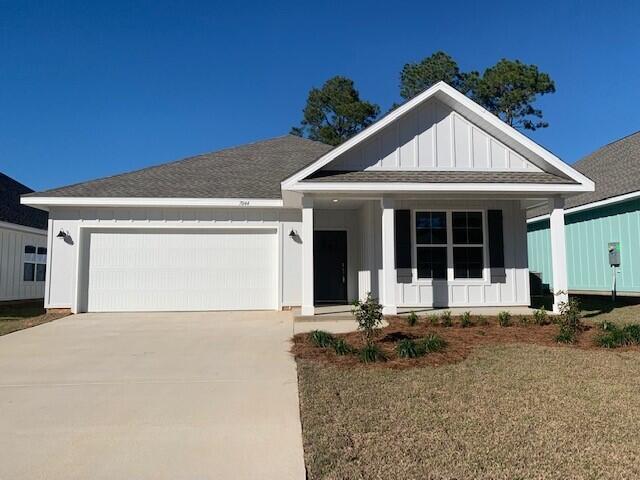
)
(44, 203)
(592, 205)
(22, 228)
(546, 188)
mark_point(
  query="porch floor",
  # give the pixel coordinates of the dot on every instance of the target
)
(343, 312)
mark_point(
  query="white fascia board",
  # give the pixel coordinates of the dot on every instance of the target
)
(39, 202)
(592, 205)
(437, 187)
(455, 99)
(22, 228)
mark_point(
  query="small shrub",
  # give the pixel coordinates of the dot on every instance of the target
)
(632, 334)
(612, 338)
(341, 347)
(541, 317)
(569, 321)
(412, 319)
(369, 317)
(523, 320)
(607, 325)
(566, 336)
(371, 353)
(465, 320)
(482, 320)
(570, 314)
(407, 348)
(433, 319)
(321, 338)
(433, 343)
(446, 318)
(504, 319)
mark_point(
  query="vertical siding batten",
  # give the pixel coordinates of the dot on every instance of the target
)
(432, 137)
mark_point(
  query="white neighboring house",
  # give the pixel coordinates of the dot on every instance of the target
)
(23, 244)
(426, 207)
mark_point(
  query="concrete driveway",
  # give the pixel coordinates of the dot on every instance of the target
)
(151, 396)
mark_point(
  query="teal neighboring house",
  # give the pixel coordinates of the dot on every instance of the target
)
(609, 214)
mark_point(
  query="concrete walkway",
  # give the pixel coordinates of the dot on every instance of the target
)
(151, 396)
(341, 313)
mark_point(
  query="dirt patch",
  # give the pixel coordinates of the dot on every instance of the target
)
(20, 315)
(460, 341)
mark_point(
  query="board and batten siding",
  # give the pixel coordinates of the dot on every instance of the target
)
(411, 292)
(63, 255)
(588, 234)
(12, 243)
(432, 137)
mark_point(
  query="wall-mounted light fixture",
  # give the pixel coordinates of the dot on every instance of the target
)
(293, 234)
(63, 235)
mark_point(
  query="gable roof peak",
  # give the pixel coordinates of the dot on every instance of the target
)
(472, 111)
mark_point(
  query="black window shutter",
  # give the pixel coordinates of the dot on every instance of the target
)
(403, 238)
(496, 246)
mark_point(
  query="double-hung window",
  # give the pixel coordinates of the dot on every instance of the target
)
(431, 245)
(449, 240)
(468, 244)
(34, 264)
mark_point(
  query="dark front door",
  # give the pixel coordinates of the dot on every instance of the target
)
(330, 266)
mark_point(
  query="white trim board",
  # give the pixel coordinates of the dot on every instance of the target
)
(22, 228)
(591, 206)
(533, 152)
(431, 187)
(44, 202)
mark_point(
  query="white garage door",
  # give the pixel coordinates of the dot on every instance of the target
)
(174, 270)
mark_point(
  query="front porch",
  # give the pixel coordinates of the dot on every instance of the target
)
(421, 254)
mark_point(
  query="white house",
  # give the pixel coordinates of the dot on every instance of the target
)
(427, 207)
(23, 245)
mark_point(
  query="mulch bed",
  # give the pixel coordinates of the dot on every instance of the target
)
(460, 341)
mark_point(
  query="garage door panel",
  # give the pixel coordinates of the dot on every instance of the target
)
(172, 270)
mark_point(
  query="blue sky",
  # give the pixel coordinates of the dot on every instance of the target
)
(89, 89)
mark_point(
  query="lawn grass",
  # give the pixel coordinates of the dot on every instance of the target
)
(18, 316)
(506, 412)
(598, 309)
(501, 411)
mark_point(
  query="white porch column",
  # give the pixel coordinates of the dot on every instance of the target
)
(367, 283)
(389, 278)
(558, 252)
(307, 257)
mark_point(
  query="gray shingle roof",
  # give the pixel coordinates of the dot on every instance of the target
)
(10, 209)
(437, 177)
(254, 170)
(614, 168)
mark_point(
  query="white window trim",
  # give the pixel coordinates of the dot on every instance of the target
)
(485, 280)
